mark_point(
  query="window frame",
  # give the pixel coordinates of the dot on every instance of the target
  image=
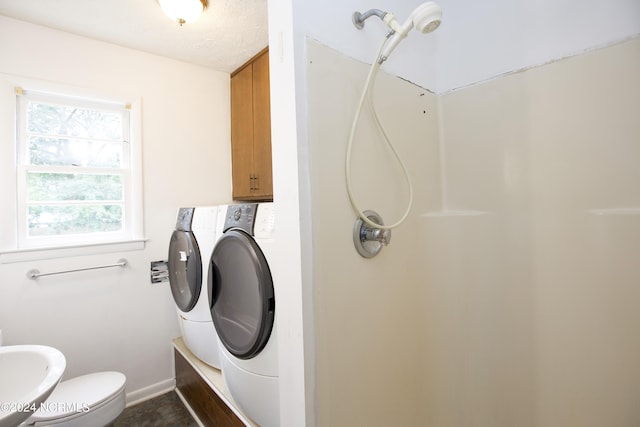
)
(17, 246)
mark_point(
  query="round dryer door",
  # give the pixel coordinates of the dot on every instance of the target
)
(243, 306)
(185, 269)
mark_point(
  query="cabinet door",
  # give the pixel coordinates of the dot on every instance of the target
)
(242, 132)
(263, 184)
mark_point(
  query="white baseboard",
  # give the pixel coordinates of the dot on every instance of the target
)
(149, 392)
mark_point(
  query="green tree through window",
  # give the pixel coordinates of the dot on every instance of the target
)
(74, 165)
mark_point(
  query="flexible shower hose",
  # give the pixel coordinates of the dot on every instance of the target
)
(368, 89)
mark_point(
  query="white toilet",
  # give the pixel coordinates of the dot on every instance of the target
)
(89, 400)
(94, 400)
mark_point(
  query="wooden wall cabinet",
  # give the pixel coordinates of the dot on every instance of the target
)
(251, 130)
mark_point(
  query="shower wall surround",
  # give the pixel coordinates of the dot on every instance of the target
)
(530, 311)
(367, 312)
(510, 295)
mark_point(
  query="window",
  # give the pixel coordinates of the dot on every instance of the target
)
(77, 172)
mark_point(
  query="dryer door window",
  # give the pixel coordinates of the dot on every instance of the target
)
(185, 269)
(242, 292)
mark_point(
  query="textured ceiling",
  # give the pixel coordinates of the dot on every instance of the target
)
(226, 35)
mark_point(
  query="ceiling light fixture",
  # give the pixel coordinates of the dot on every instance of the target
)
(183, 11)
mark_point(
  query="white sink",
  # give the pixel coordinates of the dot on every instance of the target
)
(28, 375)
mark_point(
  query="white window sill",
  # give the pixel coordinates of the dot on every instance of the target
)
(20, 255)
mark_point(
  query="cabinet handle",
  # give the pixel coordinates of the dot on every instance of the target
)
(253, 182)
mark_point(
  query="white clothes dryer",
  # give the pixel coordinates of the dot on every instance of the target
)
(244, 310)
(190, 248)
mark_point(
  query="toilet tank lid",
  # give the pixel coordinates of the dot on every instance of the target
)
(80, 394)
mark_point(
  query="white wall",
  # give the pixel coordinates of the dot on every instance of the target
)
(292, 266)
(481, 40)
(116, 319)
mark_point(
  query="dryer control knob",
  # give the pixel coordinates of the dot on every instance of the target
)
(237, 214)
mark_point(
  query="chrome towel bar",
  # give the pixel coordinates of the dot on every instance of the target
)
(33, 274)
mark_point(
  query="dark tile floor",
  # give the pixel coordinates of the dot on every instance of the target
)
(164, 410)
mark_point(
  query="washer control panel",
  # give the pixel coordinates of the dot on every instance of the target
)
(185, 216)
(241, 216)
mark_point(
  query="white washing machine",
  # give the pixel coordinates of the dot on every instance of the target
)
(190, 248)
(244, 310)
